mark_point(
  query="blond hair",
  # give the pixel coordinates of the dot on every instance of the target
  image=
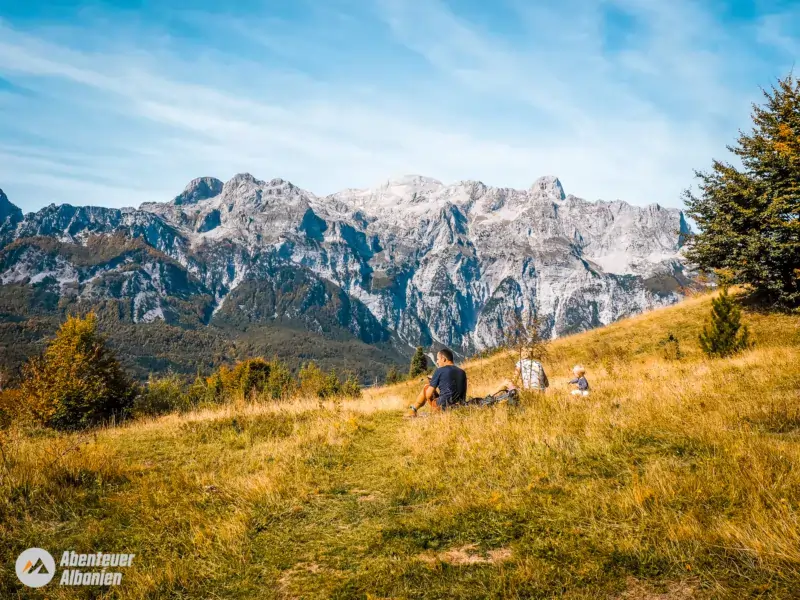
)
(579, 370)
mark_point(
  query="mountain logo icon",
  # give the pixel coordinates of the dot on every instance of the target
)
(31, 568)
(35, 567)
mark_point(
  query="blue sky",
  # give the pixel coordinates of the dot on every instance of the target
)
(118, 103)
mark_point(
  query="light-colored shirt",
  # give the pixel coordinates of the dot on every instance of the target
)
(532, 374)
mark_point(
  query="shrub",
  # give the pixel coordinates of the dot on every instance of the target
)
(254, 376)
(671, 347)
(393, 376)
(77, 382)
(198, 392)
(316, 383)
(215, 386)
(724, 335)
(250, 376)
(11, 407)
(280, 384)
(350, 387)
(163, 395)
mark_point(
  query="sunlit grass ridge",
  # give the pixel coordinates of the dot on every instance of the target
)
(674, 476)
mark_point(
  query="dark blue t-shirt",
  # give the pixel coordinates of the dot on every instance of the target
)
(452, 384)
(583, 385)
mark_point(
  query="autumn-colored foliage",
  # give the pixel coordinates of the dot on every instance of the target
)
(316, 383)
(253, 376)
(77, 382)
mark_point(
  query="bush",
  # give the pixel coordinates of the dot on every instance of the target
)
(314, 382)
(393, 376)
(11, 407)
(77, 382)
(250, 377)
(671, 347)
(215, 386)
(350, 387)
(163, 395)
(280, 384)
(724, 335)
(198, 392)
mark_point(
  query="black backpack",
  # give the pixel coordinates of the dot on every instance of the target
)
(510, 397)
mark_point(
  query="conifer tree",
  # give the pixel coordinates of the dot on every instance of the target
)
(749, 217)
(724, 335)
(78, 381)
(419, 363)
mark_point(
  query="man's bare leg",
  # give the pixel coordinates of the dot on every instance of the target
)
(426, 395)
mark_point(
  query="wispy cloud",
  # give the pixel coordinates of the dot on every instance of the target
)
(621, 99)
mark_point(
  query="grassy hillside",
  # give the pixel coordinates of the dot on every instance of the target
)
(674, 479)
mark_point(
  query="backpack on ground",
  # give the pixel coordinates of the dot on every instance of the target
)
(510, 397)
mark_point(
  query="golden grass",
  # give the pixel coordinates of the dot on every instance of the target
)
(673, 479)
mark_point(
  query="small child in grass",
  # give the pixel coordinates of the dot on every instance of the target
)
(582, 388)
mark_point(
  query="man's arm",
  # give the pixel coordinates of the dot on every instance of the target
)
(434, 383)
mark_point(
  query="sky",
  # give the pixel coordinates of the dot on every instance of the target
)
(119, 103)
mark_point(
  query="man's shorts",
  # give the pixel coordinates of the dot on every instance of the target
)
(435, 397)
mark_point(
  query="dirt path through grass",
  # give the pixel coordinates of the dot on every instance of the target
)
(317, 548)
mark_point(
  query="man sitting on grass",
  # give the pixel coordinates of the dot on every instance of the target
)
(447, 386)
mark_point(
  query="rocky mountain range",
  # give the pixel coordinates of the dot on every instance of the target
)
(362, 275)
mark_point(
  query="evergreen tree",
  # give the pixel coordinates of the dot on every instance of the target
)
(77, 382)
(419, 363)
(724, 335)
(749, 218)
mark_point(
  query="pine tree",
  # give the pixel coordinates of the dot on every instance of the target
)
(78, 381)
(749, 218)
(724, 335)
(419, 363)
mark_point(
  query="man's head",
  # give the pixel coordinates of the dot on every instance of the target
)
(444, 357)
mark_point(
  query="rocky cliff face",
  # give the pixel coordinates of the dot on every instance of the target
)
(410, 262)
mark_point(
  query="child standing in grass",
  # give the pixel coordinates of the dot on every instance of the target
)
(582, 388)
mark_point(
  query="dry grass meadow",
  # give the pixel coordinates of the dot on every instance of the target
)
(673, 479)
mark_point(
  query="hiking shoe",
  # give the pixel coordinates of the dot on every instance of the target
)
(413, 412)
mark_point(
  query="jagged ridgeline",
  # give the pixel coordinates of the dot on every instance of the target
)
(354, 280)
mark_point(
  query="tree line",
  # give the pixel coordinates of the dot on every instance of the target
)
(78, 382)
